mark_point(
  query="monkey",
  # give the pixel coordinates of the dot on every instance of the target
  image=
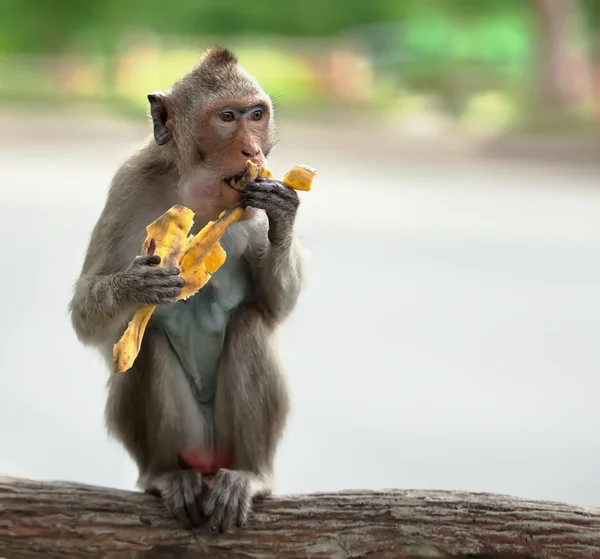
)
(209, 378)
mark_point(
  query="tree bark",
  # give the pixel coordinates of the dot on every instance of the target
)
(554, 64)
(61, 519)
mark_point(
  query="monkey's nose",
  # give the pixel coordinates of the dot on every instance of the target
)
(250, 154)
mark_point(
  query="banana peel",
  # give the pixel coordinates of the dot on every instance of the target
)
(197, 256)
(166, 238)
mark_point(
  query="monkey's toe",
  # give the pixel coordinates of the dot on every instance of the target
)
(182, 494)
(229, 501)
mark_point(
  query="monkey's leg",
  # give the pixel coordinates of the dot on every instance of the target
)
(251, 409)
(152, 411)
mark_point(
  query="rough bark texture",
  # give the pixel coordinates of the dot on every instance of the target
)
(58, 519)
(555, 87)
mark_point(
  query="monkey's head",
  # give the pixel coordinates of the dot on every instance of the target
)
(210, 123)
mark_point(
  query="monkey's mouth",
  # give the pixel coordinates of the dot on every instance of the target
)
(233, 181)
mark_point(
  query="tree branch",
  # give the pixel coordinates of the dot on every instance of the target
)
(61, 519)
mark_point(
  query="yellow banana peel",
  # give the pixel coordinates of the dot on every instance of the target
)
(197, 256)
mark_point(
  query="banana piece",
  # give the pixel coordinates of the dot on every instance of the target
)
(300, 177)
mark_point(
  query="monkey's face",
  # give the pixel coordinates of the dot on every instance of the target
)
(227, 134)
(238, 131)
(215, 119)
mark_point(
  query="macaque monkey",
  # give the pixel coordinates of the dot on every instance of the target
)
(208, 380)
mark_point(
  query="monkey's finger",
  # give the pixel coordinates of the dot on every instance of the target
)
(162, 271)
(290, 194)
(193, 513)
(174, 282)
(235, 502)
(209, 503)
(191, 486)
(166, 292)
(169, 301)
(242, 516)
(258, 194)
(200, 497)
(244, 506)
(272, 186)
(148, 260)
(176, 508)
(274, 201)
(267, 202)
(263, 198)
(258, 204)
(216, 518)
(161, 298)
(183, 517)
(240, 513)
(229, 515)
(214, 506)
(275, 194)
(162, 281)
(286, 193)
(263, 185)
(224, 515)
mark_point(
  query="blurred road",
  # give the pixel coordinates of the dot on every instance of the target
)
(448, 337)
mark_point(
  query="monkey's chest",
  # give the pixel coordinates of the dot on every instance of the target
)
(196, 328)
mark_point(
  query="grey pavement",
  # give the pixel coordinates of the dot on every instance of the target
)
(447, 337)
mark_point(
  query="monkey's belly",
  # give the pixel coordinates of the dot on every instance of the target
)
(196, 329)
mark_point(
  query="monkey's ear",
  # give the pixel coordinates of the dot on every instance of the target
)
(160, 117)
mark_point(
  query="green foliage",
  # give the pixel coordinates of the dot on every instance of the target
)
(591, 13)
(473, 56)
(435, 28)
(49, 25)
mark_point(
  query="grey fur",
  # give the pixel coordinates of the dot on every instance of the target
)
(152, 408)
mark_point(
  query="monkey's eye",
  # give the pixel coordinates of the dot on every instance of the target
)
(257, 114)
(227, 116)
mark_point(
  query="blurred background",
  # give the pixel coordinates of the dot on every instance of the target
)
(447, 337)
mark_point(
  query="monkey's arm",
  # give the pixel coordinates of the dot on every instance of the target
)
(97, 313)
(278, 267)
(280, 277)
(113, 282)
(99, 304)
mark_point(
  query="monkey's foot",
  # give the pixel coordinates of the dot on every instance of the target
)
(182, 492)
(229, 500)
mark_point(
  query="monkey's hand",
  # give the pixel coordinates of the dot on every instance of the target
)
(182, 493)
(145, 283)
(280, 203)
(229, 500)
